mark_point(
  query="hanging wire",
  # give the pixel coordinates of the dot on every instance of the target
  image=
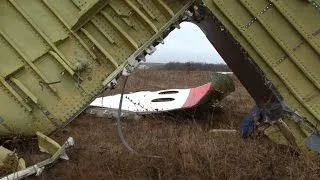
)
(119, 125)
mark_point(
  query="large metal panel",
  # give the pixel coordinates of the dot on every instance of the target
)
(58, 55)
(281, 39)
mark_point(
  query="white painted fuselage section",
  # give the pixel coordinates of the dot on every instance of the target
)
(146, 101)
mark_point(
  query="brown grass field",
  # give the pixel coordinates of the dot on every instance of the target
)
(188, 149)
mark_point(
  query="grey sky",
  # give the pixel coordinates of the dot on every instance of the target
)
(185, 45)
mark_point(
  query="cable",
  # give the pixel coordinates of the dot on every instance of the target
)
(119, 125)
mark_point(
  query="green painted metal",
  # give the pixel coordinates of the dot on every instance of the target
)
(58, 55)
(283, 39)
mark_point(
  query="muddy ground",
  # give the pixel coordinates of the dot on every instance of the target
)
(188, 149)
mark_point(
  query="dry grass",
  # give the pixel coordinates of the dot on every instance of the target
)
(189, 150)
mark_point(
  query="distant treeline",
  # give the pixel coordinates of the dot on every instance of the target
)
(191, 66)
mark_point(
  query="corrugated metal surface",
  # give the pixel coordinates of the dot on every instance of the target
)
(56, 54)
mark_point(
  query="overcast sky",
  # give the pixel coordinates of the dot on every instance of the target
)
(185, 45)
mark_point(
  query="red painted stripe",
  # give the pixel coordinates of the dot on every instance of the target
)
(197, 94)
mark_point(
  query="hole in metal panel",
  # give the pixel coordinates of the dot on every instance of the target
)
(163, 100)
(169, 92)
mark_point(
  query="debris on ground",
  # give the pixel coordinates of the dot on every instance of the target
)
(14, 168)
(225, 131)
(10, 162)
(147, 102)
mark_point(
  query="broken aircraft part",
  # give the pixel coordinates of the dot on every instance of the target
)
(44, 83)
(9, 161)
(111, 114)
(158, 101)
(75, 43)
(167, 100)
(274, 53)
(47, 145)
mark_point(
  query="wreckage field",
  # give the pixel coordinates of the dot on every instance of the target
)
(188, 141)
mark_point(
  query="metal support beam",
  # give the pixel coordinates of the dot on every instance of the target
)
(27, 59)
(49, 6)
(99, 46)
(42, 34)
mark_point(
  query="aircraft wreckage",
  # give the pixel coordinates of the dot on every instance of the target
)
(57, 56)
(147, 102)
